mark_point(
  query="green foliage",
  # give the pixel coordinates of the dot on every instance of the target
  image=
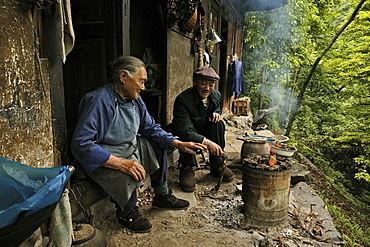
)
(357, 236)
(363, 169)
(332, 124)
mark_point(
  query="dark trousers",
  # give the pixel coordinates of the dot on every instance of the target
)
(158, 177)
(161, 175)
(214, 132)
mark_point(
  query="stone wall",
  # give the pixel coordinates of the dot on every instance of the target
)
(180, 67)
(25, 105)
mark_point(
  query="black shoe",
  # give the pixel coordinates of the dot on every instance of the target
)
(169, 201)
(187, 180)
(135, 221)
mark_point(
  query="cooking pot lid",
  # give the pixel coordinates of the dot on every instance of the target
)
(253, 139)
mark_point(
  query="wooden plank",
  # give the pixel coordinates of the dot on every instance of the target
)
(83, 195)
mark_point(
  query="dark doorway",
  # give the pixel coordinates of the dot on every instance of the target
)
(101, 30)
(148, 42)
(95, 27)
(224, 88)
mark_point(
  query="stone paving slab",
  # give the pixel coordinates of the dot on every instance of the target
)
(313, 213)
(176, 213)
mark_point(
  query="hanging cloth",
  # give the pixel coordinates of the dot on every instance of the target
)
(235, 78)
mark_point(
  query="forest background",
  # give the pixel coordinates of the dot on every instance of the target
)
(310, 60)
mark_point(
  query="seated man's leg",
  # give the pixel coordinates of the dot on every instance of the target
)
(187, 175)
(163, 196)
(216, 133)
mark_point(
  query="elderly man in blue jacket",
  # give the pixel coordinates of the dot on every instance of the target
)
(197, 118)
(119, 144)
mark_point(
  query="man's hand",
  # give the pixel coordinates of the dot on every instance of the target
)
(215, 118)
(213, 148)
(187, 147)
(130, 167)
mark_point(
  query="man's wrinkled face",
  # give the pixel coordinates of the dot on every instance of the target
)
(204, 87)
(135, 84)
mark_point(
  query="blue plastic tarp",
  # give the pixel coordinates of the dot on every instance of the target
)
(26, 188)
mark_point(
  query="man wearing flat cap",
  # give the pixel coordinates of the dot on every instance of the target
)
(197, 118)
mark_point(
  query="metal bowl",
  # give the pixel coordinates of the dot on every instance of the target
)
(280, 138)
(285, 150)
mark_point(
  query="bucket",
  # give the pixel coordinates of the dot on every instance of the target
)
(266, 196)
(254, 145)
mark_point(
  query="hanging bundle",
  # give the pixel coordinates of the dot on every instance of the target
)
(184, 12)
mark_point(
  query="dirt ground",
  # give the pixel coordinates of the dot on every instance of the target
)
(216, 219)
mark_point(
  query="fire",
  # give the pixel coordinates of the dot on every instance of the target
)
(272, 160)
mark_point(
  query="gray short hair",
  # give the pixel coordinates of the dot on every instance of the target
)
(129, 63)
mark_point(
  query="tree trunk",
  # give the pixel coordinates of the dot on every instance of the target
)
(292, 103)
(263, 87)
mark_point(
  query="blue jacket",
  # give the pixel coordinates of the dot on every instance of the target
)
(96, 112)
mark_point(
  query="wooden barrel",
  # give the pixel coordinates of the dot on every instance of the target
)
(266, 196)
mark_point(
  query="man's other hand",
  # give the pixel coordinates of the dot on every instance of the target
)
(188, 147)
(215, 118)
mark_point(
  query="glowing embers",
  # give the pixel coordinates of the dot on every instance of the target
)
(269, 162)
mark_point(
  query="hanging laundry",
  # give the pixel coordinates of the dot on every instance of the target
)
(235, 78)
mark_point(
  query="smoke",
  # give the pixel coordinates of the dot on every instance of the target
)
(271, 59)
(284, 97)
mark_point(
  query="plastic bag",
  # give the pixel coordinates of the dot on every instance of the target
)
(26, 188)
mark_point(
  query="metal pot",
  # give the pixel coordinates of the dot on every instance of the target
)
(255, 145)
